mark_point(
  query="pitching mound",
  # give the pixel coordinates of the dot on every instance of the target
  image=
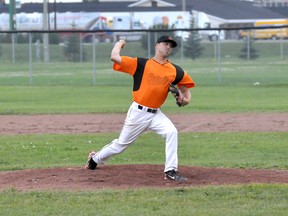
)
(131, 176)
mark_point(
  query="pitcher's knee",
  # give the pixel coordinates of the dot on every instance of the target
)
(172, 131)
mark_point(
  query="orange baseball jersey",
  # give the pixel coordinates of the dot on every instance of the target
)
(151, 79)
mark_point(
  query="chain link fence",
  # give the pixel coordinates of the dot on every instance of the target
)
(83, 58)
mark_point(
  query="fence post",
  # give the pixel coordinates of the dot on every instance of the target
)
(13, 48)
(219, 60)
(81, 48)
(30, 58)
(248, 44)
(182, 46)
(281, 48)
(94, 59)
(216, 49)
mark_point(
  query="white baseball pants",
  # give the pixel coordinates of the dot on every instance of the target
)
(138, 121)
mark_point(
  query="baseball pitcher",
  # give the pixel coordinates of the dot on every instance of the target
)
(153, 79)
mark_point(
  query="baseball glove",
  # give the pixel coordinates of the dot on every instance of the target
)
(176, 94)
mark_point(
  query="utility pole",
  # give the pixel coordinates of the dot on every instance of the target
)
(12, 20)
(183, 5)
(55, 16)
(45, 35)
(12, 25)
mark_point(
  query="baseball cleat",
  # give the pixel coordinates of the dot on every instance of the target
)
(91, 164)
(172, 175)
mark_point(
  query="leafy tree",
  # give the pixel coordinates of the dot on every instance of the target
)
(192, 47)
(54, 38)
(22, 38)
(72, 48)
(248, 51)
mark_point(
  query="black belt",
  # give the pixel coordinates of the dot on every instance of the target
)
(148, 109)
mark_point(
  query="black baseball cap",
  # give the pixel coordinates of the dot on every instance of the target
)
(166, 38)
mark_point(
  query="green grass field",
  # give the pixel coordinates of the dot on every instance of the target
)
(256, 200)
(105, 99)
(68, 88)
(231, 150)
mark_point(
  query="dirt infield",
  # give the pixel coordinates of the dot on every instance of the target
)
(136, 176)
(97, 123)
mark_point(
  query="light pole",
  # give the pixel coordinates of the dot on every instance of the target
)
(12, 24)
(12, 15)
(183, 5)
(55, 16)
(45, 35)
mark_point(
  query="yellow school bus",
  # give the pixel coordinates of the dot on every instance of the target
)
(269, 33)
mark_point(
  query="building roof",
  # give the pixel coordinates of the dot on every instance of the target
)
(231, 9)
(280, 10)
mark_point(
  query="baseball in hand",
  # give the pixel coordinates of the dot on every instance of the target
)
(180, 98)
(123, 41)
